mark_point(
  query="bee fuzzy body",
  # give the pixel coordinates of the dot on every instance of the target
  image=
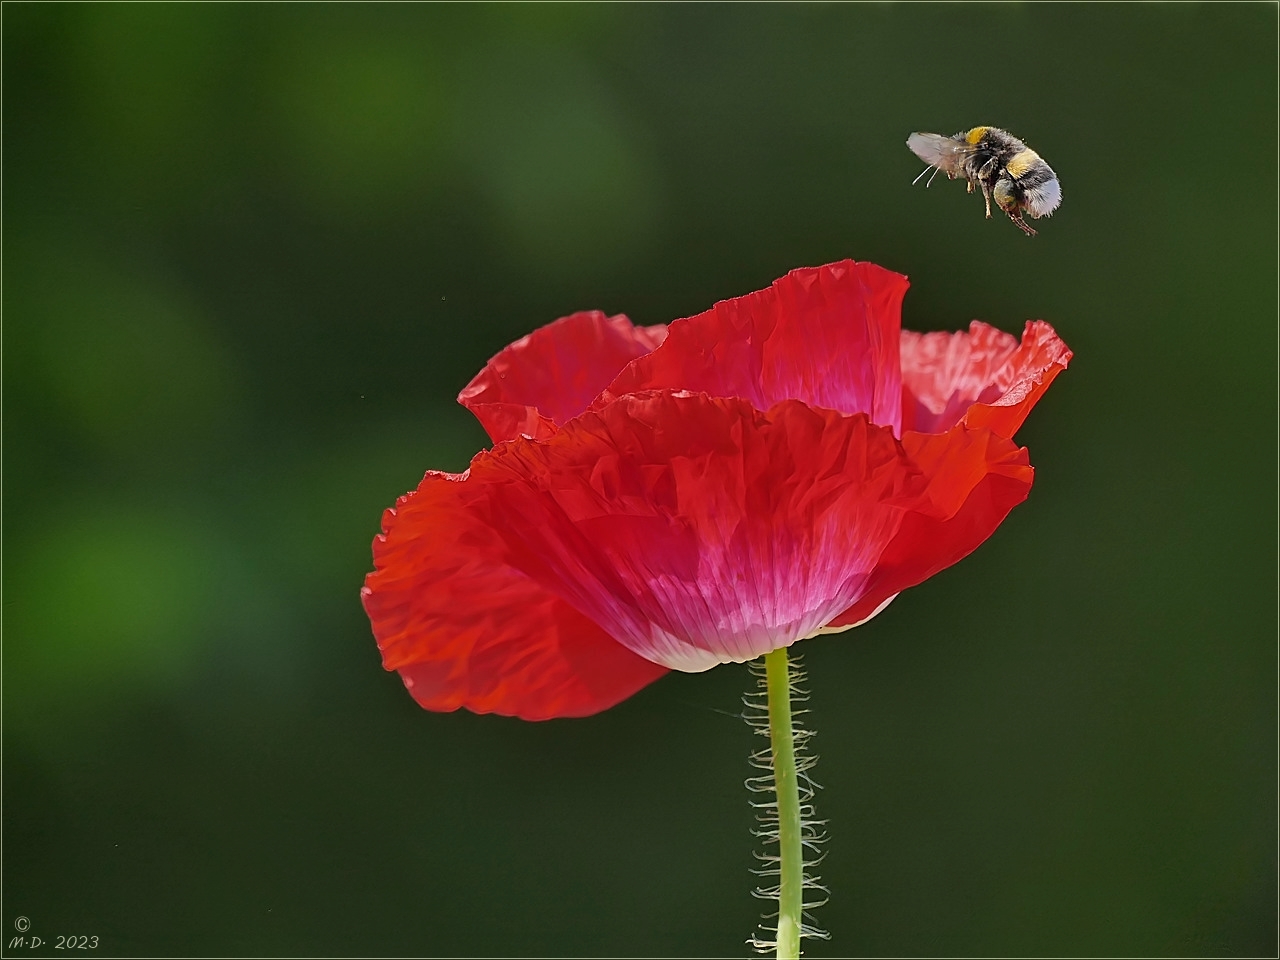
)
(999, 164)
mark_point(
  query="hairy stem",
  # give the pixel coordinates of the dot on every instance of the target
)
(784, 813)
(786, 784)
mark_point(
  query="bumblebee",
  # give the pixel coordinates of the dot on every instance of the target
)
(998, 162)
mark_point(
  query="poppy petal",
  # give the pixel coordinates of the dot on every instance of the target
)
(983, 376)
(975, 477)
(698, 530)
(551, 375)
(465, 630)
(827, 336)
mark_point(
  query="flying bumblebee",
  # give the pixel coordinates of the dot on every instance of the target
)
(998, 162)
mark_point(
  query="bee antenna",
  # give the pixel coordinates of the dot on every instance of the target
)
(922, 173)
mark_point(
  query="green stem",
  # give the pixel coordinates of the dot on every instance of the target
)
(791, 895)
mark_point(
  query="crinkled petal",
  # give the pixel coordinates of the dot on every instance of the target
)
(551, 375)
(985, 376)
(975, 477)
(466, 630)
(827, 336)
(698, 530)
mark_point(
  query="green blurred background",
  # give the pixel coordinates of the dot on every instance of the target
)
(253, 252)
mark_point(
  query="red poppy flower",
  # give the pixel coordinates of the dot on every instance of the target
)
(673, 498)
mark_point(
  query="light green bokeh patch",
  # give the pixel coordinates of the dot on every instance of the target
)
(357, 120)
(127, 361)
(569, 178)
(105, 600)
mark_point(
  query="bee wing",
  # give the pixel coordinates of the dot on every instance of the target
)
(945, 153)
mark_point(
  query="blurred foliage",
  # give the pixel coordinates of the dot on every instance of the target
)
(253, 251)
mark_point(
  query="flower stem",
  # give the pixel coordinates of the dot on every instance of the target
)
(791, 889)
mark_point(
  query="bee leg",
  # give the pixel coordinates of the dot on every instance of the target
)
(986, 197)
(1020, 223)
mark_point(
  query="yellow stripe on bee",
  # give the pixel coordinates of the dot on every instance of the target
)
(976, 134)
(1021, 163)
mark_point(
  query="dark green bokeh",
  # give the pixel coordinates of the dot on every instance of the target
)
(252, 253)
